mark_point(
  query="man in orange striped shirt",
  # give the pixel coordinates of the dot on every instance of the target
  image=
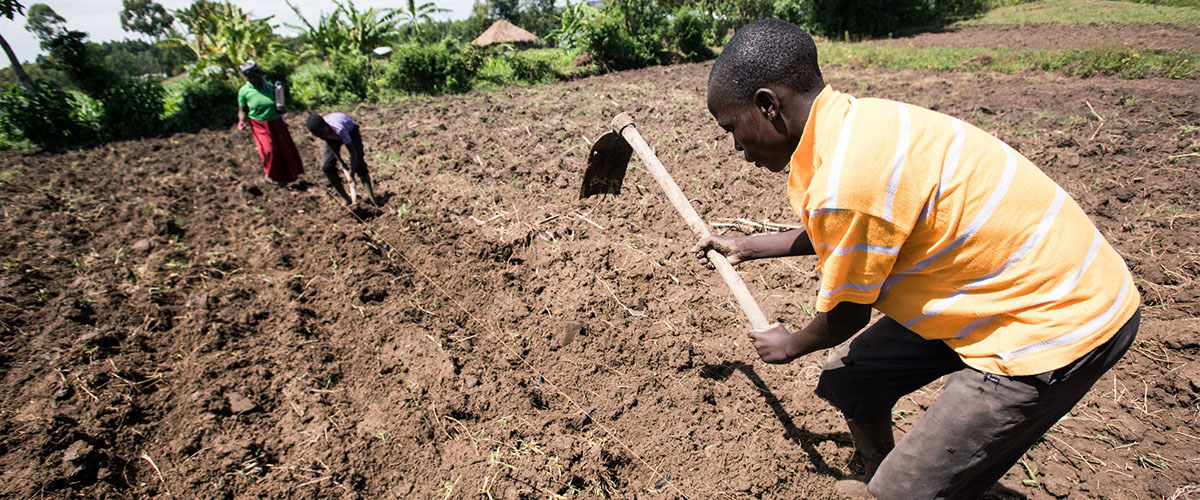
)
(986, 271)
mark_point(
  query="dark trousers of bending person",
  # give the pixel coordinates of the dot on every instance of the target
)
(358, 164)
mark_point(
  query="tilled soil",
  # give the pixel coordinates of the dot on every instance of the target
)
(173, 326)
(1058, 36)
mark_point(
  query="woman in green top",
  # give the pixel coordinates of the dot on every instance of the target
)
(256, 104)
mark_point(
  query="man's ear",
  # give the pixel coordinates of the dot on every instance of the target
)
(767, 103)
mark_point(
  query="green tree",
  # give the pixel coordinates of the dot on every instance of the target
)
(9, 9)
(538, 17)
(129, 58)
(44, 23)
(415, 15)
(505, 9)
(348, 30)
(69, 50)
(199, 17)
(224, 35)
(146, 17)
(478, 21)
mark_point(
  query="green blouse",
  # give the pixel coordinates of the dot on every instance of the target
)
(260, 102)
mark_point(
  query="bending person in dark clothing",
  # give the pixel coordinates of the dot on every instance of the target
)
(337, 129)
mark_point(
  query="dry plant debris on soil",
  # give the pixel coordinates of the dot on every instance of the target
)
(171, 326)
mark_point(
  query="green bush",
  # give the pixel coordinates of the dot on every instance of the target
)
(689, 35)
(797, 12)
(507, 66)
(132, 108)
(607, 40)
(201, 103)
(534, 67)
(347, 80)
(48, 118)
(431, 69)
(308, 86)
(497, 71)
(857, 18)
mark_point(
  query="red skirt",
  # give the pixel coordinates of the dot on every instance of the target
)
(281, 160)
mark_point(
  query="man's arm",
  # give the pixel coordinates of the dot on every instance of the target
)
(777, 345)
(761, 246)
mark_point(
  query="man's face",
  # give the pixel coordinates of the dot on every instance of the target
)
(326, 132)
(756, 136)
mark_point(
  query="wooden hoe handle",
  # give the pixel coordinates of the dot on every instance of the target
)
(623, 124)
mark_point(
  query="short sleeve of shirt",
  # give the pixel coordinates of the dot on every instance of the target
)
(342, 124)
(242, 97)
(857, 253)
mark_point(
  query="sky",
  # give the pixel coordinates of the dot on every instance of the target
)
(99, 18)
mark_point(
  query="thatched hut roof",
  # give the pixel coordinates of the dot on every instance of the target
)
(503, 31)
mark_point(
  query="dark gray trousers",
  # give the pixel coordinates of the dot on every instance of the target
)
(358, 164)
(980, 425)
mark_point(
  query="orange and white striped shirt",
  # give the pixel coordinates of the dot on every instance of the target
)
(950, 232)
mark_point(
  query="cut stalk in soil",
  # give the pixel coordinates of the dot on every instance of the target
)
(607, 163)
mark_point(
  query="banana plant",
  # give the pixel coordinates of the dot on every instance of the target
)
(224, 35)
(415, 14)
(348, 30)
(572, 21)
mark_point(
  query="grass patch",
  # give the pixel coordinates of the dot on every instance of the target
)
(1129, 64)
(8, 175)
(1093, 11)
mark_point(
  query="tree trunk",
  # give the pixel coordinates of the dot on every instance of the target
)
(16, 65)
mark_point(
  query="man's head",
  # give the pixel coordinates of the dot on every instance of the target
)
(317, 126)
(251, 72)
(762, 87)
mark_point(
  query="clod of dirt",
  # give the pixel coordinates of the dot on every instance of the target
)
(240, 404)
(77, 453)
(572, 330)
(81, 461)
(63, 392)
(1059, 483)
(170, 227)
(371, 294)
(200, 301)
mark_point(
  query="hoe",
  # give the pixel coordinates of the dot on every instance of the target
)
(606, 168)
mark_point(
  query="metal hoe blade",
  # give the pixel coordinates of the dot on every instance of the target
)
(606, 166)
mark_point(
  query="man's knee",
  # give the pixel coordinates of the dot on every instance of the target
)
(847, 392)
(330, 168)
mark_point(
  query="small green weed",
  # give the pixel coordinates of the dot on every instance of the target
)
(1031, 472)
(9, 175)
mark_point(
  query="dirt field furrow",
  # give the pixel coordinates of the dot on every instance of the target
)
(169, 323)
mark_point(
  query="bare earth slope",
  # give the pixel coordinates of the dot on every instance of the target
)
(172, 326)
